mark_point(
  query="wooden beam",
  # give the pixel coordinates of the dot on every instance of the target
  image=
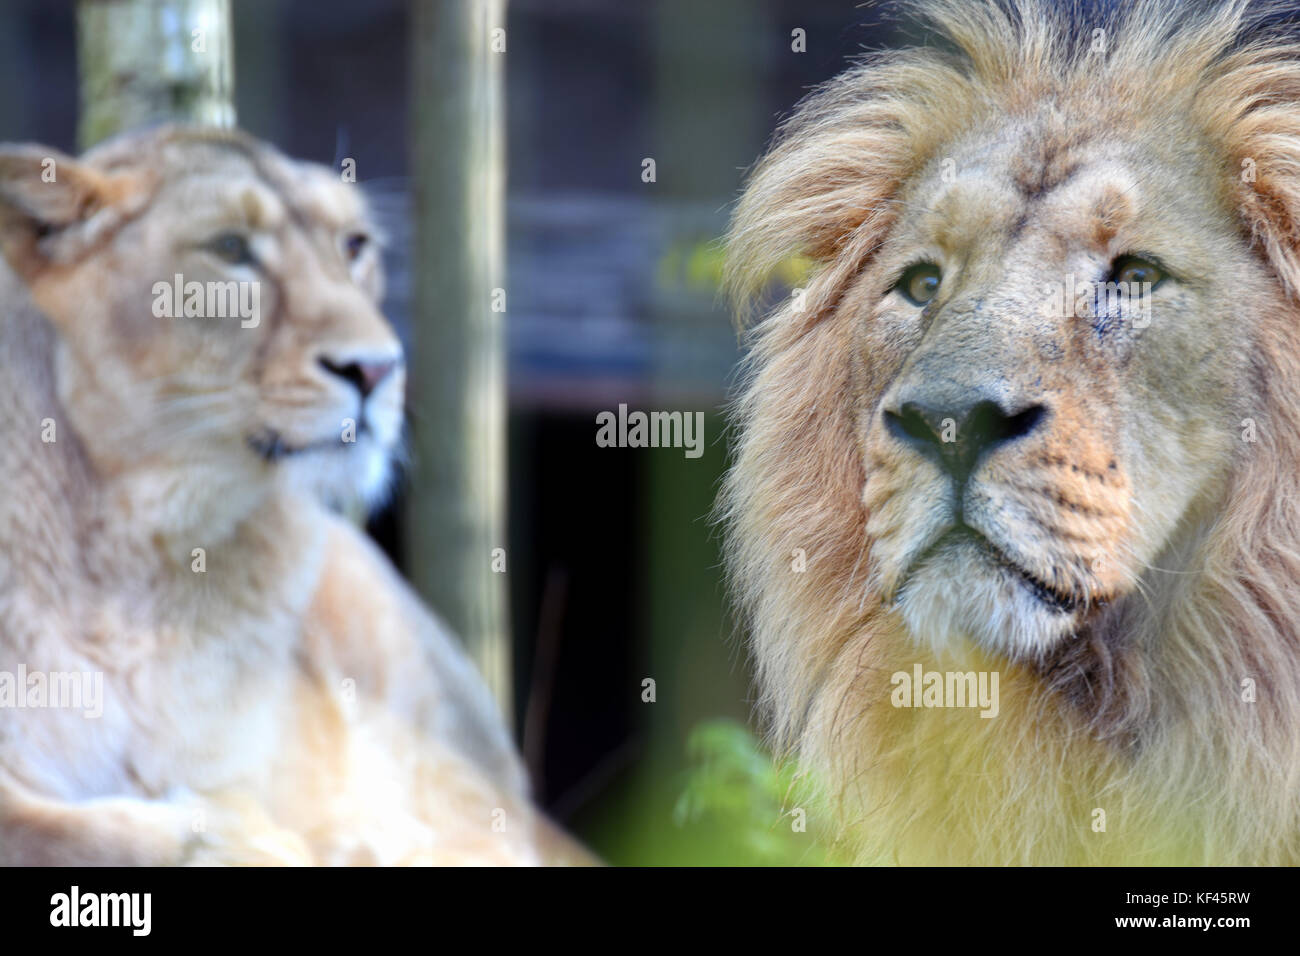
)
(149, 61)
(457, 387)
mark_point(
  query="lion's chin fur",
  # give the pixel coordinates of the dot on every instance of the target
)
(360, 476)
(959, 598)
(1164, 730)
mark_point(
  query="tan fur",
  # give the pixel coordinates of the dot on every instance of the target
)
(1137, 497)
(294, 701)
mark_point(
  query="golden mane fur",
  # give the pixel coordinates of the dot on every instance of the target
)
(1146, 713)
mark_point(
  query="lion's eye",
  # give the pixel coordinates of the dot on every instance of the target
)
(232, 248)
(355, 244)
(1137, 270)
(920, 283)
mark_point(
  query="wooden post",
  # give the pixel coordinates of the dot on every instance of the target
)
(457, 394)
(146, 61)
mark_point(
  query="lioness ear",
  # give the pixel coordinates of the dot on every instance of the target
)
(53, 208)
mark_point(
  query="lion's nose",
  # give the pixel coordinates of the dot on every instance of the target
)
(956, 435)
(364, 376)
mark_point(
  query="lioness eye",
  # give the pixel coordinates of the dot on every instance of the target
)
(354, 244)
(920, 283)
(1136, 269)
(231, 247)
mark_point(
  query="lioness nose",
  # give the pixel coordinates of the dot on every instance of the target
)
(955, 436)
(365, 376)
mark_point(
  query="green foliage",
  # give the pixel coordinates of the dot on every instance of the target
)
(696, 263)
(737, 796)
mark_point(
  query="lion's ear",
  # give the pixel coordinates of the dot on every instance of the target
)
(1271, 211)
(53, 208)
(1252, 110)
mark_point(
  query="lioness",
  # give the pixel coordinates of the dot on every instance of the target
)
(1034, 416)
(271, 690)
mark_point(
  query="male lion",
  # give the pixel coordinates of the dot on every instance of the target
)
(272, 691)
(994, 462)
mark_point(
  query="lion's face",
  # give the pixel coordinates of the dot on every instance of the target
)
(1032, 443)
(227, 322)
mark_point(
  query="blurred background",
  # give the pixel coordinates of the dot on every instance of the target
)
(611, 565)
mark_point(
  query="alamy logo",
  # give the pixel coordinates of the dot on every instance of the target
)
(208, 300)
(651, 430)
(923, 688)
(103, 909)
(71, 690)
(1071, 299)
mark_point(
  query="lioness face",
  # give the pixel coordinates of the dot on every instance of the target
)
(1034, 446)
(216, 305)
